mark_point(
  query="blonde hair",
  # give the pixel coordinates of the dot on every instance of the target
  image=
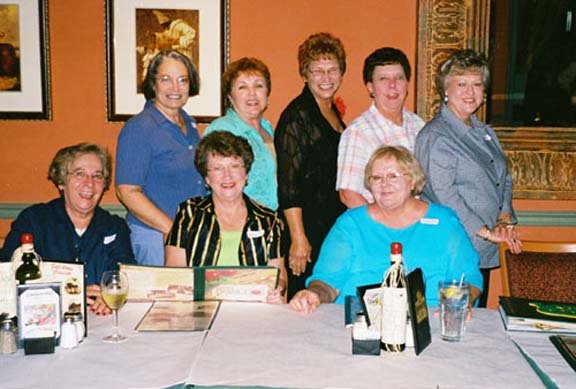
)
(405, 159)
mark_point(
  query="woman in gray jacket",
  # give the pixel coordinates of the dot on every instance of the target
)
(465, 165)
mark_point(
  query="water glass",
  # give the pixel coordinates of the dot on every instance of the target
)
(453, 296)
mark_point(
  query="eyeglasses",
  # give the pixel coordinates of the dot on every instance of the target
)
(233, 168)
(167, 80)
(319, 73)
(82, 175)
(391, 178)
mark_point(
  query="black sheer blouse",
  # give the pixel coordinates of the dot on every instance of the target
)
(307, 151)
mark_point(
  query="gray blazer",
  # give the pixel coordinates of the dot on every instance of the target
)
(466, 169)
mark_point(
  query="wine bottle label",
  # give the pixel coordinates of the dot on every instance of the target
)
(395, 258)
(394, 309)
(27, 248)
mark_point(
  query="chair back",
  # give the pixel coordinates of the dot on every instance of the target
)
(542, 271)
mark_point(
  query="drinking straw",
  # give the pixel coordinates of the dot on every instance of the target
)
(461, 280)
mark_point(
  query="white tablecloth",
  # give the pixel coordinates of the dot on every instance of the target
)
(538, 347)
(146, 360)
(258, 344)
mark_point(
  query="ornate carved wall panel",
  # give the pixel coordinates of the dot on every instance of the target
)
(542, 160)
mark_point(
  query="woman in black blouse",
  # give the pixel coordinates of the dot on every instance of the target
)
(306, 141)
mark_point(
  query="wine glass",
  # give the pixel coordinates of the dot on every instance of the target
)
(114, 286)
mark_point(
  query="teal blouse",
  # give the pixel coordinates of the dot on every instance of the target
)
(262, 185)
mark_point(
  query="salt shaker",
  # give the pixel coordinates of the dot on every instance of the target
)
(68, 337)
(78, 324)
(8, 337)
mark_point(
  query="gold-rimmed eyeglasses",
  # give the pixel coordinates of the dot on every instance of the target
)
(167, 80)
(390, 178)
(82, 175)
(319, 73)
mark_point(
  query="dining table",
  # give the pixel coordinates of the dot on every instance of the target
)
(258, 345)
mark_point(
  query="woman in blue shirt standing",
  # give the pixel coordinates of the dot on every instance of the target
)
(155, 156)
(246, 85)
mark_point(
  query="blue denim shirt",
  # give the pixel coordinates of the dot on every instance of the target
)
(154, 153)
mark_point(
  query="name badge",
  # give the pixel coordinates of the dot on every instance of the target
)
(255, 234)
(432, 222)
(109, 239)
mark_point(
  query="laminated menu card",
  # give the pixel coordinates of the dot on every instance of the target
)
(179, 316)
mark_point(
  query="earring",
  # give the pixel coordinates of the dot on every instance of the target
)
(445, 99)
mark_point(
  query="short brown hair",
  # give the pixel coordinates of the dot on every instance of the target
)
(318, 46)
(152, 72)
(64, 157)
(225, 144)
(459, 63)
(405, 159)
(382, 57)
(246, 65)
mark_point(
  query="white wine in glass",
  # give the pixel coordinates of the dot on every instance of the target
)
(114, 286)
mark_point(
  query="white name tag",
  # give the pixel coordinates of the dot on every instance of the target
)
(109, 239)
(255, 234)
(433, 222)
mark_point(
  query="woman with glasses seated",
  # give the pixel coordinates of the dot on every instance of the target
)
(356, 252)
(74, 228)
(226, 228)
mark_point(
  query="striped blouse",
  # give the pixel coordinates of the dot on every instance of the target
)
(196, 230)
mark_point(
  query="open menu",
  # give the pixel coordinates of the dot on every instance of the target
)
(230, 283)
(179, 316)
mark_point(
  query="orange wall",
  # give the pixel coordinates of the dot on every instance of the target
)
(270, 30)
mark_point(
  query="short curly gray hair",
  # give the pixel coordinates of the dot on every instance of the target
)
(64, 157)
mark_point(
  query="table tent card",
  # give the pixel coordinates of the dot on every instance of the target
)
(39, 315)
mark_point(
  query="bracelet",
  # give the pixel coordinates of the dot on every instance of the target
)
(485, 235)
(505, 223)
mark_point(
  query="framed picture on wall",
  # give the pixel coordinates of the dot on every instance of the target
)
(24, 64)
(136, 30)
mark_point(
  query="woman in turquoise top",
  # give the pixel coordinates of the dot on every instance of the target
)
(246, 85)
(356, 252)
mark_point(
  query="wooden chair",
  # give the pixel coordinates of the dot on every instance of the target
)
(543, 271)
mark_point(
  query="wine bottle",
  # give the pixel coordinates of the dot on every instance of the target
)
(394, 303)
(30, 267)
